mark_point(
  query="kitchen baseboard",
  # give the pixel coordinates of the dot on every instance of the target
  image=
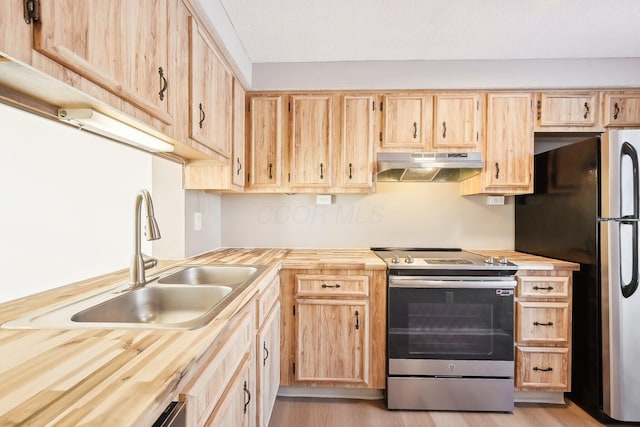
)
(331, 393)
(553, 397)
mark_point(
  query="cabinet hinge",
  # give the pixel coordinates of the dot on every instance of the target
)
(294, 310)
(293, 367)
(31, 11)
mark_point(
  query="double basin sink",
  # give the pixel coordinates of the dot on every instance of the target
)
(183, 297)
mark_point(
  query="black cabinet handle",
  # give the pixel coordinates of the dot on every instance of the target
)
(497, 170)
(444, 130)
(616, 108)
(270, 171)
(266, 351)
(321, 171)
(549, 369)
(337, 285)
(163, 84)
(543, 288)
(536, 323)
(239, 166)
(586, 113)
(415, 130)
(202, 115)
(248, 393)
(357, 319)
(350, 170)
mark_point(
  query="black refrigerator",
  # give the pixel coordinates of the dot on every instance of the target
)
(585, 209)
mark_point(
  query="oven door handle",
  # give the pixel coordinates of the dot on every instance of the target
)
(397, 282)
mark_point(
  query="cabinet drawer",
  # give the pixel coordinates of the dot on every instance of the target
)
(543, 286)
(204, 392)
(542, 368)
(319, 285)
(267, 299)
(542, 322)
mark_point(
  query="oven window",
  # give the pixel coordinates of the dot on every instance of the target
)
(460, 329)
(466, 324)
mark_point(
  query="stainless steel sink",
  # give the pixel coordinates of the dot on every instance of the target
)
(210, 275)
(170, 300)
(170, 306)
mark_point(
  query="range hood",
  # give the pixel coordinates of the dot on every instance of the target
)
(428, 167)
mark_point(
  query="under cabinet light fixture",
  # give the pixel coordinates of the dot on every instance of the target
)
(95, 122)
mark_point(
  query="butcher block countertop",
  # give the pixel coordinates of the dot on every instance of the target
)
(120, 377)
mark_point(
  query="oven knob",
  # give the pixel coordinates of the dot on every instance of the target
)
(503, 260)
(409, 260)
(491, 260)
(395, 259)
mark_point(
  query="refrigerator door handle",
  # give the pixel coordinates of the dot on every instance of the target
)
(630, 288)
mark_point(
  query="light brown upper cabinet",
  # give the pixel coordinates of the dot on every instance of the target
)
(211, 94)
(407, 122)
(119, 45)
(457, 122)
(357, 141)
(311, 140)
(568, 111)
(265, 135)
(621, 109)
(509, 149)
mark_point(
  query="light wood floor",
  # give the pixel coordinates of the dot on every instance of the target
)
(307, 412)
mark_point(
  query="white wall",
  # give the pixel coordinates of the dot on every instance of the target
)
(67, 201)
(402, 214)
(208, 238)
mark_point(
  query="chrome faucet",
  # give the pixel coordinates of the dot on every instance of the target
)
(139, 261)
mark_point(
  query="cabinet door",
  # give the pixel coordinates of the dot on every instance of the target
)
(568, 109)
(268, 365)
(509, 159)
(622, 109)
(211, 95)
(238, 163)
(311, 129)
(265, 141)
(457, 122)
(407, 122)
(357, 141)
(332, 340)
(120, 45)
(237, 406)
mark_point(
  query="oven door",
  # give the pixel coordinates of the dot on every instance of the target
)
(450, 319)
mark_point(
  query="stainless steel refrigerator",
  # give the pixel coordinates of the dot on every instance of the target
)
(585, 209)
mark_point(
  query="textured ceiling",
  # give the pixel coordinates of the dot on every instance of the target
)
(363, 30)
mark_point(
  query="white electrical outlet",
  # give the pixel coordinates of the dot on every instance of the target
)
(495, 200)
(197, 221)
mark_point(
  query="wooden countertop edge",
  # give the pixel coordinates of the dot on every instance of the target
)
(176, 373)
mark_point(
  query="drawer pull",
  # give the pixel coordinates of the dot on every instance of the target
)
(357, 320)
(543, 288)
(549, 369)
(266, 353)
(536, 323)
(248, 393)
(324, 285)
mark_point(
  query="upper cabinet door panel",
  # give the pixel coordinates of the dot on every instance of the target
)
(311, 123)
(357, 141)
(265, 141)
(120, 45)
(407, 121)
(622, 109)
(568, 109)
(457, 122)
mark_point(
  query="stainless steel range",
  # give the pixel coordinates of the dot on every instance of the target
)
(450, 330)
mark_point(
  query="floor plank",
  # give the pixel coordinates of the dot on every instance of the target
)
(312, 412)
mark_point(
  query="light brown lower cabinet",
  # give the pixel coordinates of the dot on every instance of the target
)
(333, 328)
(543, 330)
(223, 393)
